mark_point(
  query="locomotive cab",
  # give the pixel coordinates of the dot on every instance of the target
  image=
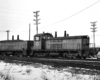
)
(39, 40)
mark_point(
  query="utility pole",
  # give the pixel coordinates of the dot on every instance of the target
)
(36, 20)
(7, 34)
(29, 31)
(93, 30)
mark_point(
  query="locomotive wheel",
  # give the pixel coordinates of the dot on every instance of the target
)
(64, 55)
(18, 54)
(3, 54)
(84, 57)
(74, 57)
(35, 54)
(47, 55)
(79, 57)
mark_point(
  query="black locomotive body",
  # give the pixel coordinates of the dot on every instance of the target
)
(45, 45)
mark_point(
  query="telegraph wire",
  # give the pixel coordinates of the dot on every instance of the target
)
(72, 15)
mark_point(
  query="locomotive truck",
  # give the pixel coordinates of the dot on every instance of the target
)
(45, 45)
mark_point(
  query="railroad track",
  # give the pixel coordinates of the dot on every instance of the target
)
(88, 63)
(52, 59)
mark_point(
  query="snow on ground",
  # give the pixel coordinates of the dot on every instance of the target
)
(38, 71)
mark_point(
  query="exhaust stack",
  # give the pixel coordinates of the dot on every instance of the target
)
(64, 33)
(67, 34)
(17, 37)
(12, 37)
(43, 32)
(56, 34)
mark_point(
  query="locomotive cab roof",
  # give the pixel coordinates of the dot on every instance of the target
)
(43, 36)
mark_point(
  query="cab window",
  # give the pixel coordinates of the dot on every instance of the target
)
(37, 38)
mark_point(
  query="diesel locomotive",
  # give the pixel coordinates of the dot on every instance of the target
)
(47, 45)
(67, 46)
(15, 47)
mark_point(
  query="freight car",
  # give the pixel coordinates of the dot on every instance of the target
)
(45, 45)
(15, 47)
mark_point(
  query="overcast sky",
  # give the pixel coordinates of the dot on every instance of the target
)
(74, 16)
